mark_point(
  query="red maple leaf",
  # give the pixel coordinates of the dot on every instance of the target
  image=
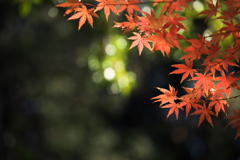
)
(225, 61)
(186, 70)
(229, 28)
(205, 81)
(197, 48)
(204, 112)
(234, 50)
(235, 122)
(140, 42)
(174, 22)
(214, 50)
(212, 11)
(226, 82)
(220, 64)
(218, 106)
(231, 11)
(176, 5)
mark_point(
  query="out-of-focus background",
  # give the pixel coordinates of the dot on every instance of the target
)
(83, 95)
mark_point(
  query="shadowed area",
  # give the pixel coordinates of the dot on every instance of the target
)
(83, 95)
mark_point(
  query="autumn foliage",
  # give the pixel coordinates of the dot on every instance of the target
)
(213, 81)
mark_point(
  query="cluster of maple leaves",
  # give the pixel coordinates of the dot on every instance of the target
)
(213, 82)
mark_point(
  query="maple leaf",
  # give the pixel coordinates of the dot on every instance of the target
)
(174, 108)
(204, 112)
(228, 29)
(160, 43)
(150, 22)
(140, 42)
(191, 94)
(163, 42)
(204, 81)
(168, 96)
(176, 5)
(197, 48)
(130, 5)
(167, 100)
(214, 51)
(218, 106)
(220, 64)
(188, 105)
(212, 11)
(226, 82)
(191, 98)
(234, 50)
(174, 22)
(129, 25)
(107, 6)
(73, 4)
(211, 66)
(224, 63)
(83, 14)
(216, 94)
(235, 122)
(235, 3)
(231, 11)
(217, 100)
(186, 70)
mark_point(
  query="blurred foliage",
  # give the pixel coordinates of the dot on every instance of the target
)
(59, 101)
(25, 6)
(107, 58)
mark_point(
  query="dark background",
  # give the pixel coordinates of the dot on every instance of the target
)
(51, 109)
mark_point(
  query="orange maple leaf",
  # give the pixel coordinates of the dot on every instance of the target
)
(226, 61)
(73, 4)
(139, 41)
(186, 70)
(168, 96)
(205, 81)
(204, 112)
(107, 6)
(218, 106)
(150, 22)
(167, 100)
(130, 5)
(83, 14)
(174, 108)
(129, 25)
(191, 98)
(163, 42)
